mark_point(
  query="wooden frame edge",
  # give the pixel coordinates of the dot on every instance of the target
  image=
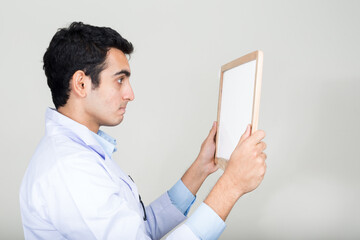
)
(257, 91)
(221, 162)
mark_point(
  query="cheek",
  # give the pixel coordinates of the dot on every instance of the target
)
(113, 99)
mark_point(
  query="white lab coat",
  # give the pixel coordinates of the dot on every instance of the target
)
(73, 190)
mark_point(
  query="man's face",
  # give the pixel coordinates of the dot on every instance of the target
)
(106, 104)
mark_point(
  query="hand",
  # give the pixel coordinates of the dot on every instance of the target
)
(204, 164)
(246, 167)
(244, 172)
(206, 157)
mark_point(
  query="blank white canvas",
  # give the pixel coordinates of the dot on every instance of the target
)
(236, 106)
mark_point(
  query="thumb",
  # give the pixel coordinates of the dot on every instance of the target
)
(246, 134)
(212, 131)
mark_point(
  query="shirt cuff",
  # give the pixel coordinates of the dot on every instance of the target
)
(205, 223)
(181, 197)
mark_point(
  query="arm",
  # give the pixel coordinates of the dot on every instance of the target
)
(162, 217)
(245, 171)
(243, 174)
(203, 166)
(171, 208)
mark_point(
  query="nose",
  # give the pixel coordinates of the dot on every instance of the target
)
(129, 93)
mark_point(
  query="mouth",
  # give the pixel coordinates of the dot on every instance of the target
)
(122, 109)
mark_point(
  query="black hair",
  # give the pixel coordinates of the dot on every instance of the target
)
(79, 47)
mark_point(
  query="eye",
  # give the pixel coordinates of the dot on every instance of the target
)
(120, 80)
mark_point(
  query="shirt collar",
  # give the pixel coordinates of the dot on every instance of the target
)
(107, 142)
(57, 123)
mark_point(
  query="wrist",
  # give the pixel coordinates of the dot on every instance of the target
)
(222, 197)
(202, 171)
(194, 177)
(230, 185)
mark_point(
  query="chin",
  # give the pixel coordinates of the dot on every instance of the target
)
(113, 123)
(118, 121)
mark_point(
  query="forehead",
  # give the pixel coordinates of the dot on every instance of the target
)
(116, 61)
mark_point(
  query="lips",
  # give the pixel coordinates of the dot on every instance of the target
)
(122, 109)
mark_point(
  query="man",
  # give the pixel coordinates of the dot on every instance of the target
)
(73, 189)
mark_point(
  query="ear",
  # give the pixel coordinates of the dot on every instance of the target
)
(79, 83)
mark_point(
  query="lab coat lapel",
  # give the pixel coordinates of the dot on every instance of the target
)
(116, 172)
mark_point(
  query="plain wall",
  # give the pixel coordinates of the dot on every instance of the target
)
(309, 104)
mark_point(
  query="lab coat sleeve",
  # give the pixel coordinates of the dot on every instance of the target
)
(182, 232)
(203, 224)
(162, 217)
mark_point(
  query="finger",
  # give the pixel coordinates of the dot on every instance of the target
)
(217, 166)
(264, 169)
(246, 134)
(263, 156)
(257, 137)
(261, 146)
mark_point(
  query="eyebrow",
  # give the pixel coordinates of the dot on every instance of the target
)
(126, 72)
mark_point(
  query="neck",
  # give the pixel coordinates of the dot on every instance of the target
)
(79, 116)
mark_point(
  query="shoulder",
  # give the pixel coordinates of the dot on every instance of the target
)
(62, 165)
(61, 149)
(60, 156)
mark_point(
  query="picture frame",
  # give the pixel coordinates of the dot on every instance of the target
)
(238, 104)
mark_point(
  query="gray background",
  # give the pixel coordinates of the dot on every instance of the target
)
(309, 105)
